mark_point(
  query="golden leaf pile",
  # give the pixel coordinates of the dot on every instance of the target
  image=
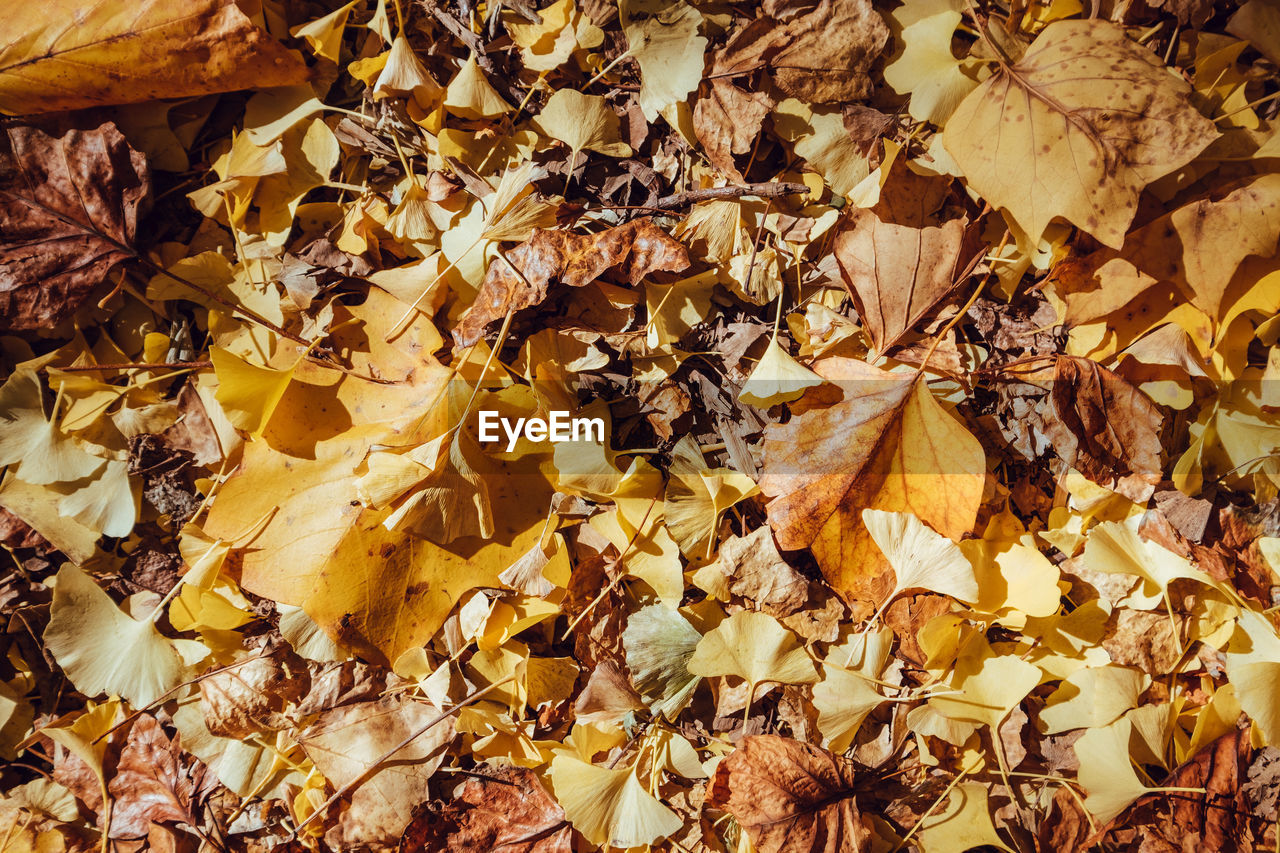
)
(937, 351)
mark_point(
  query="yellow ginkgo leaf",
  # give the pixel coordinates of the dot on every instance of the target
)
(754, 647)
(470, 95)
(404, 74)
(1116, 548)
(1253, 665)
(989, 685)
(926, 67)
(777, 378)
(843, 699)
(659, 643)
(669, 51)
(609, 807)
(108, 503)
(548, 44)
(696, 496)
(42, 452)
(325, 34)
(582, 122)
(1093, 697)
(1106, 773)
(921, 558)
(101, 649)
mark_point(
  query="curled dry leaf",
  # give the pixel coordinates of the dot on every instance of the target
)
(69, 204)
(635, 249)
(1076, 129)
(69, 54)
(791, 797)
(154, 781)
(507, 809)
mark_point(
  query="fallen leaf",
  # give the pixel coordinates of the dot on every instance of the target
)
(828, 52)
(926, 68)
(920, 557)
(153, 782)
(659, 643)
(635, 250)
(609, 807)
(754, 569)
(347, 745)
(791, 797)
(102, 649)
(754, 647)
(670, 54)
(583, 122)
(1090, 118)
(70, 198)
(898, 261)
(884, 443)
(64, 55)
(504, 809)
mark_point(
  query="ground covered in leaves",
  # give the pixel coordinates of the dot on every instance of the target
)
(936, 349)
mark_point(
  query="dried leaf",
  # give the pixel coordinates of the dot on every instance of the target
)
(69, 204)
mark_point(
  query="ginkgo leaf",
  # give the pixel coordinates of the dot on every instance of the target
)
(325, 34)
(470, 95)
(582, 122)
(921, 558)
(777, 378)
(1093, 697)
(659, 643)
(1253, 664)
(249, 393)
(1089, 117)
(989, 685)
(39, 450)
(754, 647)
(101, 649)
(1106, 773)
(843, 699)
(670, 53)
(1116, 548)
(926, 68)
(609, 807)
(108, 503)
(697, 496)
(405, 74)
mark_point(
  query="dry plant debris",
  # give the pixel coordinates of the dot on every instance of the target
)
(934, 352)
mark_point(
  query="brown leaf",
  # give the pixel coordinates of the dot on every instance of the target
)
(791, 797)
(634, 249)
(829, 50)
(509, 810)
(155, 781)
(69, 200)
(898, 262)
(347, 745)
(246, 699)
(755, 570)
(728, 122)
(1217, 820)
(1104, 427)
(69, 54)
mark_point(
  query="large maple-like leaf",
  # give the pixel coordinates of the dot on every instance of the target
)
(1076, 129)
(875, 440)
(791, 797)
(70, 54)
(69, 199)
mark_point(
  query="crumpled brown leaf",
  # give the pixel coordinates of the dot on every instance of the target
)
(754, 569)
(635, 249)
(791, 797)
(347, 745)
(69, 201)
(509, 810)
(155, 782)
(898, 260)
(241, 700)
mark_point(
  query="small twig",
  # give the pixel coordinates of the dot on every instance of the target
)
(141, 365)
(768, 189)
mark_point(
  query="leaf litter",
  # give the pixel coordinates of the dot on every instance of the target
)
(936, 351)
